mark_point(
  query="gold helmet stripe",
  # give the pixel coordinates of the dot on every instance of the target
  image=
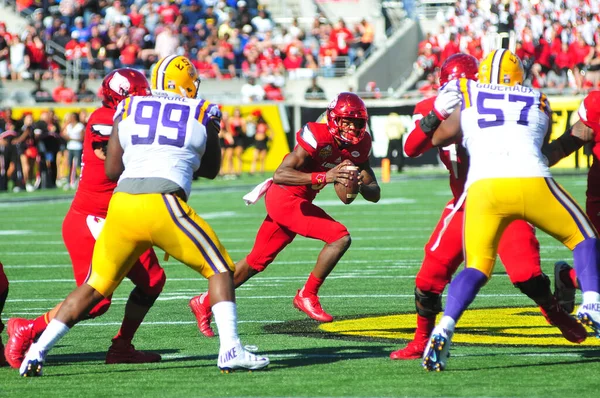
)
(496, 66)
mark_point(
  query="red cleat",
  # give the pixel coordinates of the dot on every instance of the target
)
(122, 351)
(202, 313)
(20, 338)
(570, 328)
(413, 350)
(311, 307)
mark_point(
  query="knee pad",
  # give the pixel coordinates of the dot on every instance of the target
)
(141, 298)
(428, 304)
(100, 308)
(535, 288)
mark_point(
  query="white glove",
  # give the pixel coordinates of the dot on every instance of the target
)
(445, 103)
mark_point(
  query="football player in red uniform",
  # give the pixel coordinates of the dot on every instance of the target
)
(587, 129)
(319, 158)
(82, 226)
(3, 294)
(518, 250)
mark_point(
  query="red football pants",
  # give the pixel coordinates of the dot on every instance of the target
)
(78, 232)
(518, 251)
(289, 215)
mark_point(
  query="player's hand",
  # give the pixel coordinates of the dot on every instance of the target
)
(445, 103)
(340, 173)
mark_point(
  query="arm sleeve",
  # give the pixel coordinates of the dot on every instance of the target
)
(417, 142)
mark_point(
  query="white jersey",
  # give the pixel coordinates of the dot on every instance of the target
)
(503, 130)
(163, 137)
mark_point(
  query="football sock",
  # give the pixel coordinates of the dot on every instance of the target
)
(312, 285)
(128, 328)
(586, 260)
(448, 324)
(462, 291)
(3, 283)
(425, 326)
(225, 313)
(590, 298)
(3, 296)
(40, 324)
(53, 333)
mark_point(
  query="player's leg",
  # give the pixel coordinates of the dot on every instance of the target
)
(3, 295)
(79, 232)
(435, 273)
(519, 252)
(123, 239)
(149, 279)
(270, 240)
(562, 218)
(189, 239)
(304, 218)
(489, 207)
(565, 278)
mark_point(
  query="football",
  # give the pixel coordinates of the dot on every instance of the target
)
(347, 194)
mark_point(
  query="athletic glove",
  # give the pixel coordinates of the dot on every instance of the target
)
(445, 103)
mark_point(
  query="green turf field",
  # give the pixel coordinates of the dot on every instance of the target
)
(502, 347)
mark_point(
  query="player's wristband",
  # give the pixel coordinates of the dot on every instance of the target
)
(318, 178)
(430, 123)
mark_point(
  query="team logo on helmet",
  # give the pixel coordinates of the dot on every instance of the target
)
(176, 74)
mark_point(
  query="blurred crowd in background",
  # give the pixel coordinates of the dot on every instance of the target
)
(558, 41)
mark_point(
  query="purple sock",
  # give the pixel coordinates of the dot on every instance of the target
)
(586, 261)
(462, 292)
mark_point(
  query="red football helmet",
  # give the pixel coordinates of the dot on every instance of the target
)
(121, 83)
(589, 111)
(457, 66)
(347, 106)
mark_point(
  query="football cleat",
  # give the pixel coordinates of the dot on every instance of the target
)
(563, 293)
(437, 352)
(20, 338)
(237, 358)
(32, 369)
(413, 350)
(589, 315)
(122, 351)
(570, 328)
(311, 307)
(33, 363)
(202, 313)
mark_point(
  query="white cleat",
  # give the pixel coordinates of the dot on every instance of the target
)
(437, 351)
(238, 358)
(589, 315)
(33, 363)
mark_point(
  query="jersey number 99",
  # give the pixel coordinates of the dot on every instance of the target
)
(175, 116)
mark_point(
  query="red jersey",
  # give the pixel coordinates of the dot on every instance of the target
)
(453, 156)
(325, 154)
(95, 188)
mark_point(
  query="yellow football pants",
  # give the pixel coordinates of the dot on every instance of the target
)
(135, 223)
(494, 203)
